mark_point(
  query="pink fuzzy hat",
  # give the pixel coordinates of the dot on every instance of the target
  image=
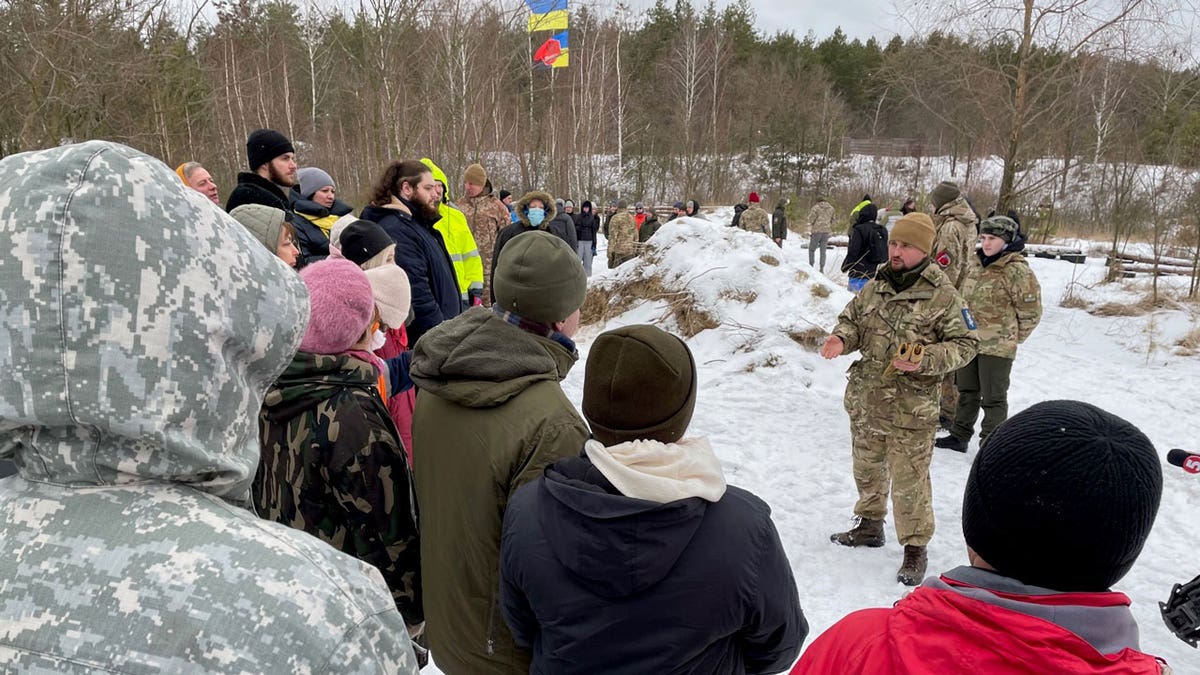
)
(342, 306)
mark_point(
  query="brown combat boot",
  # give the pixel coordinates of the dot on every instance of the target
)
(868, 532)
(913, 570)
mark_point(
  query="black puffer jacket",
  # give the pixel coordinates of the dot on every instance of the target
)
(596, 582)
(587, 224)
(310, 239)
(858, 263)
(254, 189)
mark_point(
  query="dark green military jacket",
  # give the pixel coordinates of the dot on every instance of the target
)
(490, 417)
(333, 466)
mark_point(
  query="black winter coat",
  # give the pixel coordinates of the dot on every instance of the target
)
(587, 225)
(564, 228)
(779, 228)
(310, 239)
(421, 252)
(254, 189)
(648, 228)
(596, 582)
(858, 263)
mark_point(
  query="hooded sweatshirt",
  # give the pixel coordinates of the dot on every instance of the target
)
(595, 581)
(975, 621)
(141, 327)
(490, 416)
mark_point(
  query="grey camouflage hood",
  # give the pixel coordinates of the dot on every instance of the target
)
(139, 324)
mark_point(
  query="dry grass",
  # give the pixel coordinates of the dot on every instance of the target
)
(771, 361)
(809, 338)
(1143, 306)
(820, 291)
(744, 297)
(1073, 301)
(1189, 344)
(770, 260)
(801, 276)
(602, 303)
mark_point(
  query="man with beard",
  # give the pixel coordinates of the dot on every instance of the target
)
(272, 173)
(910, 327)
(404, 202)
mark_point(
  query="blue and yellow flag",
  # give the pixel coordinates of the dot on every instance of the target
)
(553, 53)
(547, 15)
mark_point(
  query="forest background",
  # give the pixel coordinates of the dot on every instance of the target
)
(1090, 107)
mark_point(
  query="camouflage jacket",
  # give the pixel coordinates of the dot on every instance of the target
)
(1006, 299)
(622, 235)
(954, 247)
(756, 220)
(820, 217)
(142, 326)
(877, 320)
(333, 466)
(486, 216)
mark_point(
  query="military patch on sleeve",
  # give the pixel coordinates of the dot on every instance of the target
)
(968, 318)
(942, 259)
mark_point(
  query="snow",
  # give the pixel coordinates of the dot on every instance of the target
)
(772, 408)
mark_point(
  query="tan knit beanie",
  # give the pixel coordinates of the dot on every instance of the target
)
(914, 229)
(475, 175)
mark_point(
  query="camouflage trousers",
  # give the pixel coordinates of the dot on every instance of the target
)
(886, 455)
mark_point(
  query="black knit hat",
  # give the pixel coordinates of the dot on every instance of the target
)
(264, 145)
(362, 240)
(640, 383)
(1062, 496)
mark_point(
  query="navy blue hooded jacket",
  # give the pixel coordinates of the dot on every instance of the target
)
(596, 582)
(421, 252)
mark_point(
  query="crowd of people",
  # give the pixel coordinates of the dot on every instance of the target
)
(186, 409)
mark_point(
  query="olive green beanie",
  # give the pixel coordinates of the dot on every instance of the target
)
(945, 192)
(639, 384)
(539, 277)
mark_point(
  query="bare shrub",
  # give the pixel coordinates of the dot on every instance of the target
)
(820, 291)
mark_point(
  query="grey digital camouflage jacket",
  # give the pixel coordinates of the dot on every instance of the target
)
(139, 328)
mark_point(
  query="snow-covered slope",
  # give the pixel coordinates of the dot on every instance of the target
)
(773, 408)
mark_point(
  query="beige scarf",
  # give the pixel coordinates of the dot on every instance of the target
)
(660, 472)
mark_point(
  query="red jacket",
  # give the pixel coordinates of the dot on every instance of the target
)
(401, 405)
(939, 630)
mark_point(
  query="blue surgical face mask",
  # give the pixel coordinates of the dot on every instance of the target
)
(536, 216)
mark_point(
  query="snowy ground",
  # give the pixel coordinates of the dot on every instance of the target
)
(773, 409)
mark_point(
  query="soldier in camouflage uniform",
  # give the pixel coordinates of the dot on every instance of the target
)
(892, 401)
(1006, 300)
(953, 250)
(820, 225)
(754, 218)
(141, 326)
(622, 236)
(486, 216)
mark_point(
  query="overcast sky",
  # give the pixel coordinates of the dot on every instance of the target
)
(858, 18)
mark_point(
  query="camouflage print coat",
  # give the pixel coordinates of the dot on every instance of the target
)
(820, 217)
(954, 247)
(756, 220)
(486, 216)
(877, 320)
(333, 466)
(622, 237)
(1006, 299)
(141, 326)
